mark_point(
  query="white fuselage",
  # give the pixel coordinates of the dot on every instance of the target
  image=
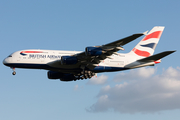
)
(44, 59)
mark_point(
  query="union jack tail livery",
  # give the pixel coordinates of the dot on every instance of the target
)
(147, 45)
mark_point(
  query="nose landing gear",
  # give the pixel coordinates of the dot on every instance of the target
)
(14, 72)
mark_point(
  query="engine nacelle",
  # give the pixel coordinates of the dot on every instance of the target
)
(68, 77)
(68, 60)
(54, 75)
(93, 51)
(61, 76)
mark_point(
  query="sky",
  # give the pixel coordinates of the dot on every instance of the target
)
(143, 93)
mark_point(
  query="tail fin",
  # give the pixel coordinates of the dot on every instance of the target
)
(147, 45)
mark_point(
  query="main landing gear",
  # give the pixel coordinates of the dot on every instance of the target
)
(14, 72)
(84, 75)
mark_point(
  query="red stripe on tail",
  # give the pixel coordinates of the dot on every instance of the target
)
(153, 35)
(141, 53)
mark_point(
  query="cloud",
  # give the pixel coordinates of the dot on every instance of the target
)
(146, 93)
(98, 80)
(141, 73)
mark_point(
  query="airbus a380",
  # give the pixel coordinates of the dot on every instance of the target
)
(71, 65)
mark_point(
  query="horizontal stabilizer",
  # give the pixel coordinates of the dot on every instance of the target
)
(156, 57)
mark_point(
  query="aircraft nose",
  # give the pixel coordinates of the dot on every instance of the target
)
(5, 61)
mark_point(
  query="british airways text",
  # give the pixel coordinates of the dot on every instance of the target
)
(44, 56)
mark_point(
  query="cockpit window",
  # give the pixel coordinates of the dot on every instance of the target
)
(10, 56)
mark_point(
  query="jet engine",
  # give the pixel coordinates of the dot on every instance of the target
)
(68, 77)
(93, 51)
(54, 75)
(68, 60)
(61, 76)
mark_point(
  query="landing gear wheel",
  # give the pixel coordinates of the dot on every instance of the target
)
(14, 73)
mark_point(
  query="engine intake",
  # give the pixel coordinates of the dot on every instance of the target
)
(68, 60)
(93, 51)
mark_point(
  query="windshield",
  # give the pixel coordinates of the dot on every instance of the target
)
(10, 55)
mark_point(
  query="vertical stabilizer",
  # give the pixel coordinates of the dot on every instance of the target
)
(147, 45)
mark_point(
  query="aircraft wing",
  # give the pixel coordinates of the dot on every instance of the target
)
(91, 61)
(126, 40)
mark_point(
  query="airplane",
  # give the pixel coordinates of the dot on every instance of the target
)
(76, 65)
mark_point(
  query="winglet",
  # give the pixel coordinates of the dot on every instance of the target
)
(146, 32)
